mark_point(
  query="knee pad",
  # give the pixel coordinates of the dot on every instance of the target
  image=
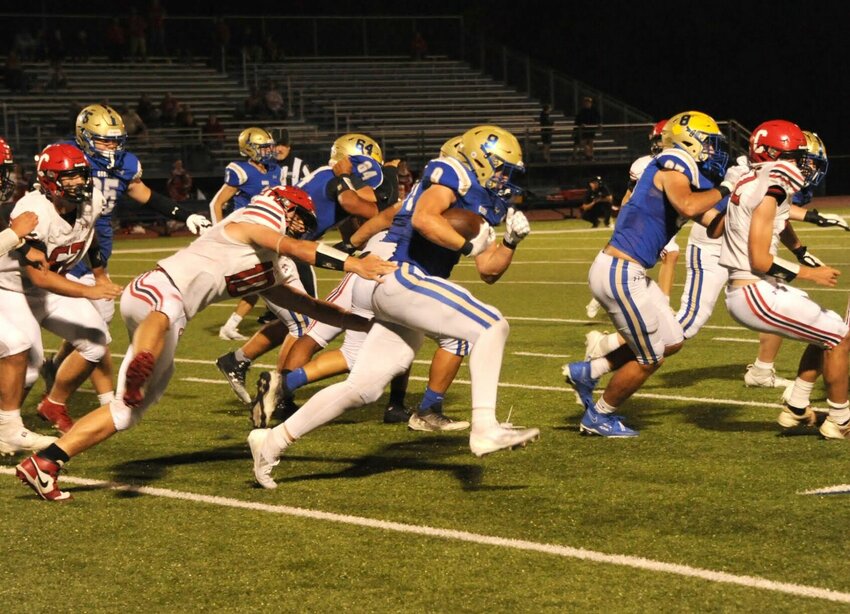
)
(351, 346)
(123, 417)
(31, 377)
(90, 350)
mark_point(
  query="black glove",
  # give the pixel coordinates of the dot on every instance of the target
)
(346, 247)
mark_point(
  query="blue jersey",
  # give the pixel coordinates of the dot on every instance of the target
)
(804, 196)
(413, 247)
(325, 188)
(113, 183)
(249, 180)
(648, 221)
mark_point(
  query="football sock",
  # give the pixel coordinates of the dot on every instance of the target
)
(839, 412)
(233, 321)
(604, 408)
(10, 416)
(800, 393)
(430, 399)
(599, 367)
(106, 398)
(295, 379)
(610, 343)
(483, 419)
(398, 389)
(326, 405)
(55, 453)
(764, 366)
(239, 355)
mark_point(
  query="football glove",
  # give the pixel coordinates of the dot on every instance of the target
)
(805, 258)
(486, 235)
(345, 246)
(825, 219)
(197, 224)
(516, 228)
(733, 175)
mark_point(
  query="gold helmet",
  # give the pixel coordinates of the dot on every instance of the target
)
(698, 135)
(451, 148)
(257, 145)
(354, 144)
(100, 133)
(815, 158)
(493, 154)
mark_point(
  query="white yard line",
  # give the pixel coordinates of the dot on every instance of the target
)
(839, 489)
(581, 554)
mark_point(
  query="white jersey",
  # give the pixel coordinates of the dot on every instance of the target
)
(638, 166)
(216, 267)
(65, 243)
(778, 179)
(699, 236)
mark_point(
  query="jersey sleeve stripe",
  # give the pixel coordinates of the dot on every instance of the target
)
(240, 173)
(274, 212)
(274, 224)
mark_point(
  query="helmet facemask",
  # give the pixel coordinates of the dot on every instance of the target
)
(7, 184)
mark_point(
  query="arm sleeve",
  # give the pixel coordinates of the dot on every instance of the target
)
(8, 241)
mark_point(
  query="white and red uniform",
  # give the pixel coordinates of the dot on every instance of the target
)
(28, 307)
(212, 268)
(766, 304)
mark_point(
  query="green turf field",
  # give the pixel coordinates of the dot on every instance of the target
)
(702, 512)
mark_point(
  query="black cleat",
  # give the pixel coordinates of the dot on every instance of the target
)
(235, 372)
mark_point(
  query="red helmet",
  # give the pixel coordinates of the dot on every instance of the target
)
(7, 167)
(294, 201)
(777, 139)
(655, 145)
(62, 161)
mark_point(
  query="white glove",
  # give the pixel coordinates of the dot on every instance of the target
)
(832, 219)
(197, 224)
(486, 235)
(733, 175)
(806, 258)
(516, 227)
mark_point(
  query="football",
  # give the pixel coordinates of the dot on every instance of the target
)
(465, 222)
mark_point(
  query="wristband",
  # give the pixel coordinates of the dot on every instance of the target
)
(510, 246)
(799, 251)
(330, 258)
(812, 216)
(466, 249)
(724, 191)
(782, 269)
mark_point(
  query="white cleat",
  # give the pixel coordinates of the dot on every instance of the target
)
(832, 430)
(230, 334)
(789, 420)
(262, 465)
(16, 439)
(593, 308)
(764, 378)
(500, 438)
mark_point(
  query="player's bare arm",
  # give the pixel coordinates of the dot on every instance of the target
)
(677, 188)
(58, 284)
(24, 224)
(374, 225)
(429, 222)
(355, 204)
(714, 222)
(219, 200)
(322, 311)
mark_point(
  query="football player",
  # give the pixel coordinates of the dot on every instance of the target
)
(418, 299)
(67, 206)
(351, 184)
(244, 179)
(249, 251)
(677, 185)
(101, 135)
(275, 389)
(758, 296)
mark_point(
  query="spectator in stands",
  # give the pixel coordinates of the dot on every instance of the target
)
(55, 46)
(133, 122)
(546, 131)
(418, 46)
(597, 203)
(179, 183)
(56, 77)
(81, 49)
(251, 48)
(168, 108)
(26, 45)
(273, 101)
(587, 120)
(115, 41)
(156, 15)
(213, 131)
(147, 111)
(271, 52)
(405, 179)
(252, 106)
(137, 35)
(185, 118)
(17, 81)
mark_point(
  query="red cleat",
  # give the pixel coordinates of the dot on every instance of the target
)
(56, 413)
(138, 372)
(42, 476)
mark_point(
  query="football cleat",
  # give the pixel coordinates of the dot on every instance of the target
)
(138, 372)
(268, 385)
(47, 370)
(501, 438)
(16, 438)
(235, 372)
(789, 420)
(832, 430)
(592, 308)
(434, 421)
(764, 378)
(55, 413)
(604, 425)
(42, 476)
(577, 375)
(262, 465)
(286, 405)
(230, 333)
(396, 414)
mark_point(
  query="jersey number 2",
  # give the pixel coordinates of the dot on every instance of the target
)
(256, 278)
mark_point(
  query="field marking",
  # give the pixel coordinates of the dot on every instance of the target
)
(582, 554)
(540, 355)
(735, 339)
(840, 489)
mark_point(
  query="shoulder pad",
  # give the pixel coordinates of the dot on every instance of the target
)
(638, 166)
(673, 159)
(367, 170)
(787, 176)
(450, 173)
(131, 167)
(234, 174)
